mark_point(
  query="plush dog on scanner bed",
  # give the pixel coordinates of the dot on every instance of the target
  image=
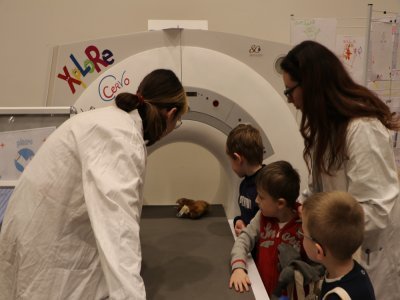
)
(192, 209)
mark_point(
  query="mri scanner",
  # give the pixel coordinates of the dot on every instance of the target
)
(229, 79)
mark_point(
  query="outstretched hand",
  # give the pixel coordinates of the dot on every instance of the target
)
(240, 280)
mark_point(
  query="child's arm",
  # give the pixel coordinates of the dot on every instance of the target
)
(240, 280)
(246, 241)
(242, 247)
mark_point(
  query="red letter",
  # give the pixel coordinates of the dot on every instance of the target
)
(96, 59)
(69, 79)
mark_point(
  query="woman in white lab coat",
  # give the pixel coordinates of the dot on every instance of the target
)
(71, 229)
(348, 147)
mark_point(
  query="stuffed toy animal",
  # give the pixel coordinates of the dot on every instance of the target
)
(192, 209)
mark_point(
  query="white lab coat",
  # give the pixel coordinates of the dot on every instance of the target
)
(370, 175)
(71, 229)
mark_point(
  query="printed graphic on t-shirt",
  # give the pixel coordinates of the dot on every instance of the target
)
(245, 202)
(269, 235)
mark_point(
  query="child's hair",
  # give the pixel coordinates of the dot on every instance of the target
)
(245, 140)
(280, 180)
(160, 89)
(336, 220)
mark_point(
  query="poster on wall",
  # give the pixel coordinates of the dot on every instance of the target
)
(383, 68)
(395, 74)
(381, 51)
(351, 52)
(321, 30)
(17, 148)
(394, 104)
(392, 98)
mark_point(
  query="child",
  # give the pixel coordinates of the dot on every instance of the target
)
(245, 150)
(277, 222)
(333, 229)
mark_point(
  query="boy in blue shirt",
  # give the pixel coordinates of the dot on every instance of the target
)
(245, 149)
(333, 230)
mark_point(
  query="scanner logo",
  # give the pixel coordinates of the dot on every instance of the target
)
(110, 85)
(255, 50)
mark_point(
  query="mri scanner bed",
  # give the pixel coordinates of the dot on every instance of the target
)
(187, 259)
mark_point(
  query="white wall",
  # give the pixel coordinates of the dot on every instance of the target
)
(30, 29)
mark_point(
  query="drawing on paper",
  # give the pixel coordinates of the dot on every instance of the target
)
(321, 30)
(350, 50)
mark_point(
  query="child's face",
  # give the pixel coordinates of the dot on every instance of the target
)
(268, 205)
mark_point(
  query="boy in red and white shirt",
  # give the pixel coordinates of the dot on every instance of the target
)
(276, 222)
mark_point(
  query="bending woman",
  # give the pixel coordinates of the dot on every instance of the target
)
(71, 229)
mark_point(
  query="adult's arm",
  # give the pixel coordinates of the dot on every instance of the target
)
(371, 171)
(112, 172)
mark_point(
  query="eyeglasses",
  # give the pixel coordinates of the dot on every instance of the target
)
(288, 92)
(301, 233)
(178, 123)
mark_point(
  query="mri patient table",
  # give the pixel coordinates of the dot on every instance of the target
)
(187, 259)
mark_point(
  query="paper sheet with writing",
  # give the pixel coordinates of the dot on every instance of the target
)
(321, 30)
(381, 51)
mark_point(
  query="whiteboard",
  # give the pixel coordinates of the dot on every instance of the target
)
(15, 119)
(20, 118)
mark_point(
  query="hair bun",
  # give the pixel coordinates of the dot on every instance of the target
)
(126, 101)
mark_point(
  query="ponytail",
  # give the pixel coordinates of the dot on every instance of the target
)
(158, 92)
(154, 123)
(127, 101)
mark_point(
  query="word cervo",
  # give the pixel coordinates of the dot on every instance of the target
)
(110, 85)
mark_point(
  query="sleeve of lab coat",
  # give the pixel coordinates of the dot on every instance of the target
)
(307, 192)
(371, 171)
(112, 170)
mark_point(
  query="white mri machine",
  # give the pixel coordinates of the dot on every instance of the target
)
(229, 79)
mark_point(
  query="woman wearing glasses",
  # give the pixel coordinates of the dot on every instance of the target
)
(71, 229)
(348, 147)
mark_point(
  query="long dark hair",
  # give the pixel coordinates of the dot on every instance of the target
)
(160, 89)
(331, 99)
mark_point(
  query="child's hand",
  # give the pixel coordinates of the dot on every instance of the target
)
(239, 225)
(239, 280)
